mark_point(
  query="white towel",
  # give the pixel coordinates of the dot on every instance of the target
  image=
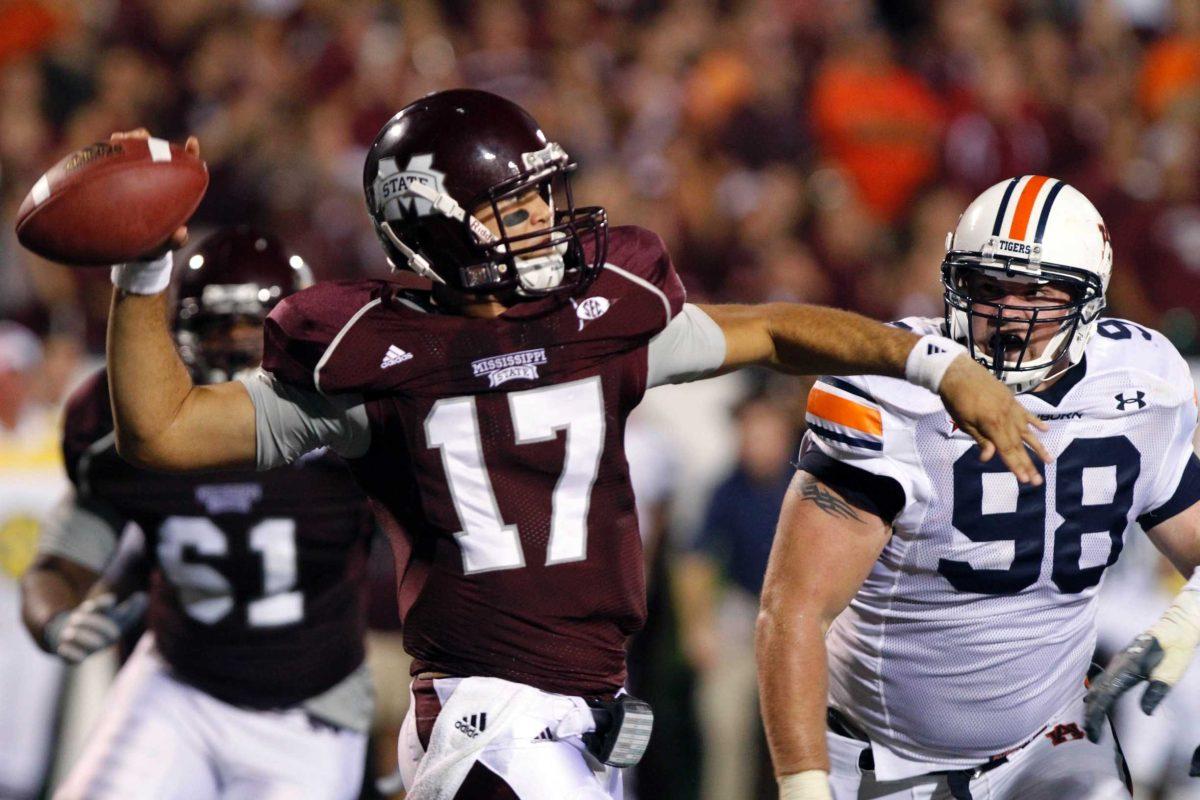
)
(496, 706)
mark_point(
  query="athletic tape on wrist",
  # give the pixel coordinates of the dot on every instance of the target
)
(1178, 633)
(929, 359)
(144, 277)
(812, 784)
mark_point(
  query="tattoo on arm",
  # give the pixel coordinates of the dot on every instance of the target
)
(828, 502)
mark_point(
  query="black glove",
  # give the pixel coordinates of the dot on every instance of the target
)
(1127, 669)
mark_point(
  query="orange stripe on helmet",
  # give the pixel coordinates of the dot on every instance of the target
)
(845, 412)
(1020, 222)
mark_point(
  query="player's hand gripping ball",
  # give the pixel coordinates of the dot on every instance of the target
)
(111, 202)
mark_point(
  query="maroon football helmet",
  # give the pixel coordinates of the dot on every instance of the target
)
(225, 287)
(440, 160)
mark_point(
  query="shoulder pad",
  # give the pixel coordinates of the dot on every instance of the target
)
(921, 326)
(304, 326)
(1144, 356)
(87, 419)
(638, 270)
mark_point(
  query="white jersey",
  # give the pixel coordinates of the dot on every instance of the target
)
(977, 623)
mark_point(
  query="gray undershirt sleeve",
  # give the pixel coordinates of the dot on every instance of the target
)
(692, 346)
(84, 532)
(290, 422)
(350, 703)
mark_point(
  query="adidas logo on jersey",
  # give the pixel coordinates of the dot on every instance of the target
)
(473, 725)
(546, 735)
(394, 356)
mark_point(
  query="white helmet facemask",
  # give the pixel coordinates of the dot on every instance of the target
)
(1025, 232)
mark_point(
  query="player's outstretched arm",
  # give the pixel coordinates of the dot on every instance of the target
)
(1161, 655)
(814, 340)
(823, 551)
(162, 420)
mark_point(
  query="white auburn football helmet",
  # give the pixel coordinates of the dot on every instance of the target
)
(1035, 229)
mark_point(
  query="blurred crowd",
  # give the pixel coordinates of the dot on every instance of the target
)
(810, 150)
(794, 149)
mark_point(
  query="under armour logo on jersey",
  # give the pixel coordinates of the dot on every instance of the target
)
(1061, 734)
(473, 725)
(394, 356)
(1139, 400)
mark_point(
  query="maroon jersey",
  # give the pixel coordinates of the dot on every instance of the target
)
(496, 460)
(255, 592)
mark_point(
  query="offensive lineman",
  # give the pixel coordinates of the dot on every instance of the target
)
(250, 682)
(485, 419)
(927, 623)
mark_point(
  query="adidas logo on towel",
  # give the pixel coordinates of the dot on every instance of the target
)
(473, 725)
(394, 356)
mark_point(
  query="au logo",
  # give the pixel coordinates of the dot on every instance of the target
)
(391, 185)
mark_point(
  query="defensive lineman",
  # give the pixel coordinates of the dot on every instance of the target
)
(959, 605)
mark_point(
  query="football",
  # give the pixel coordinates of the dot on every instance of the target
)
(111, 202)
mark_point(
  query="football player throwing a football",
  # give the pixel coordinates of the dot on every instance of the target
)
(485, 418)
(250, 681)
(927, 622)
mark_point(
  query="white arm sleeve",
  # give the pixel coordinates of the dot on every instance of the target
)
(691, 347)
(290, 422)
(83, 532)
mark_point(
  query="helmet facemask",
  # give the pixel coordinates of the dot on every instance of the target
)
(219, 333)
(529, 264)
(974, 285)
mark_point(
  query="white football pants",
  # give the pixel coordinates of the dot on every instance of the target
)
(520, 760)
(1059, 764)
(161, 739)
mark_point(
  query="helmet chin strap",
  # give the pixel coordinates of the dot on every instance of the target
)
(538, 273)
(446, 205)
(1032, 373)
(416, 262)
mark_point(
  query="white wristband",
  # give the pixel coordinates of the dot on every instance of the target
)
(929, 359)
(144, 277)
(812, 784)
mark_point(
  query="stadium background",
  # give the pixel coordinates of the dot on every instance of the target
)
(812, 150)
